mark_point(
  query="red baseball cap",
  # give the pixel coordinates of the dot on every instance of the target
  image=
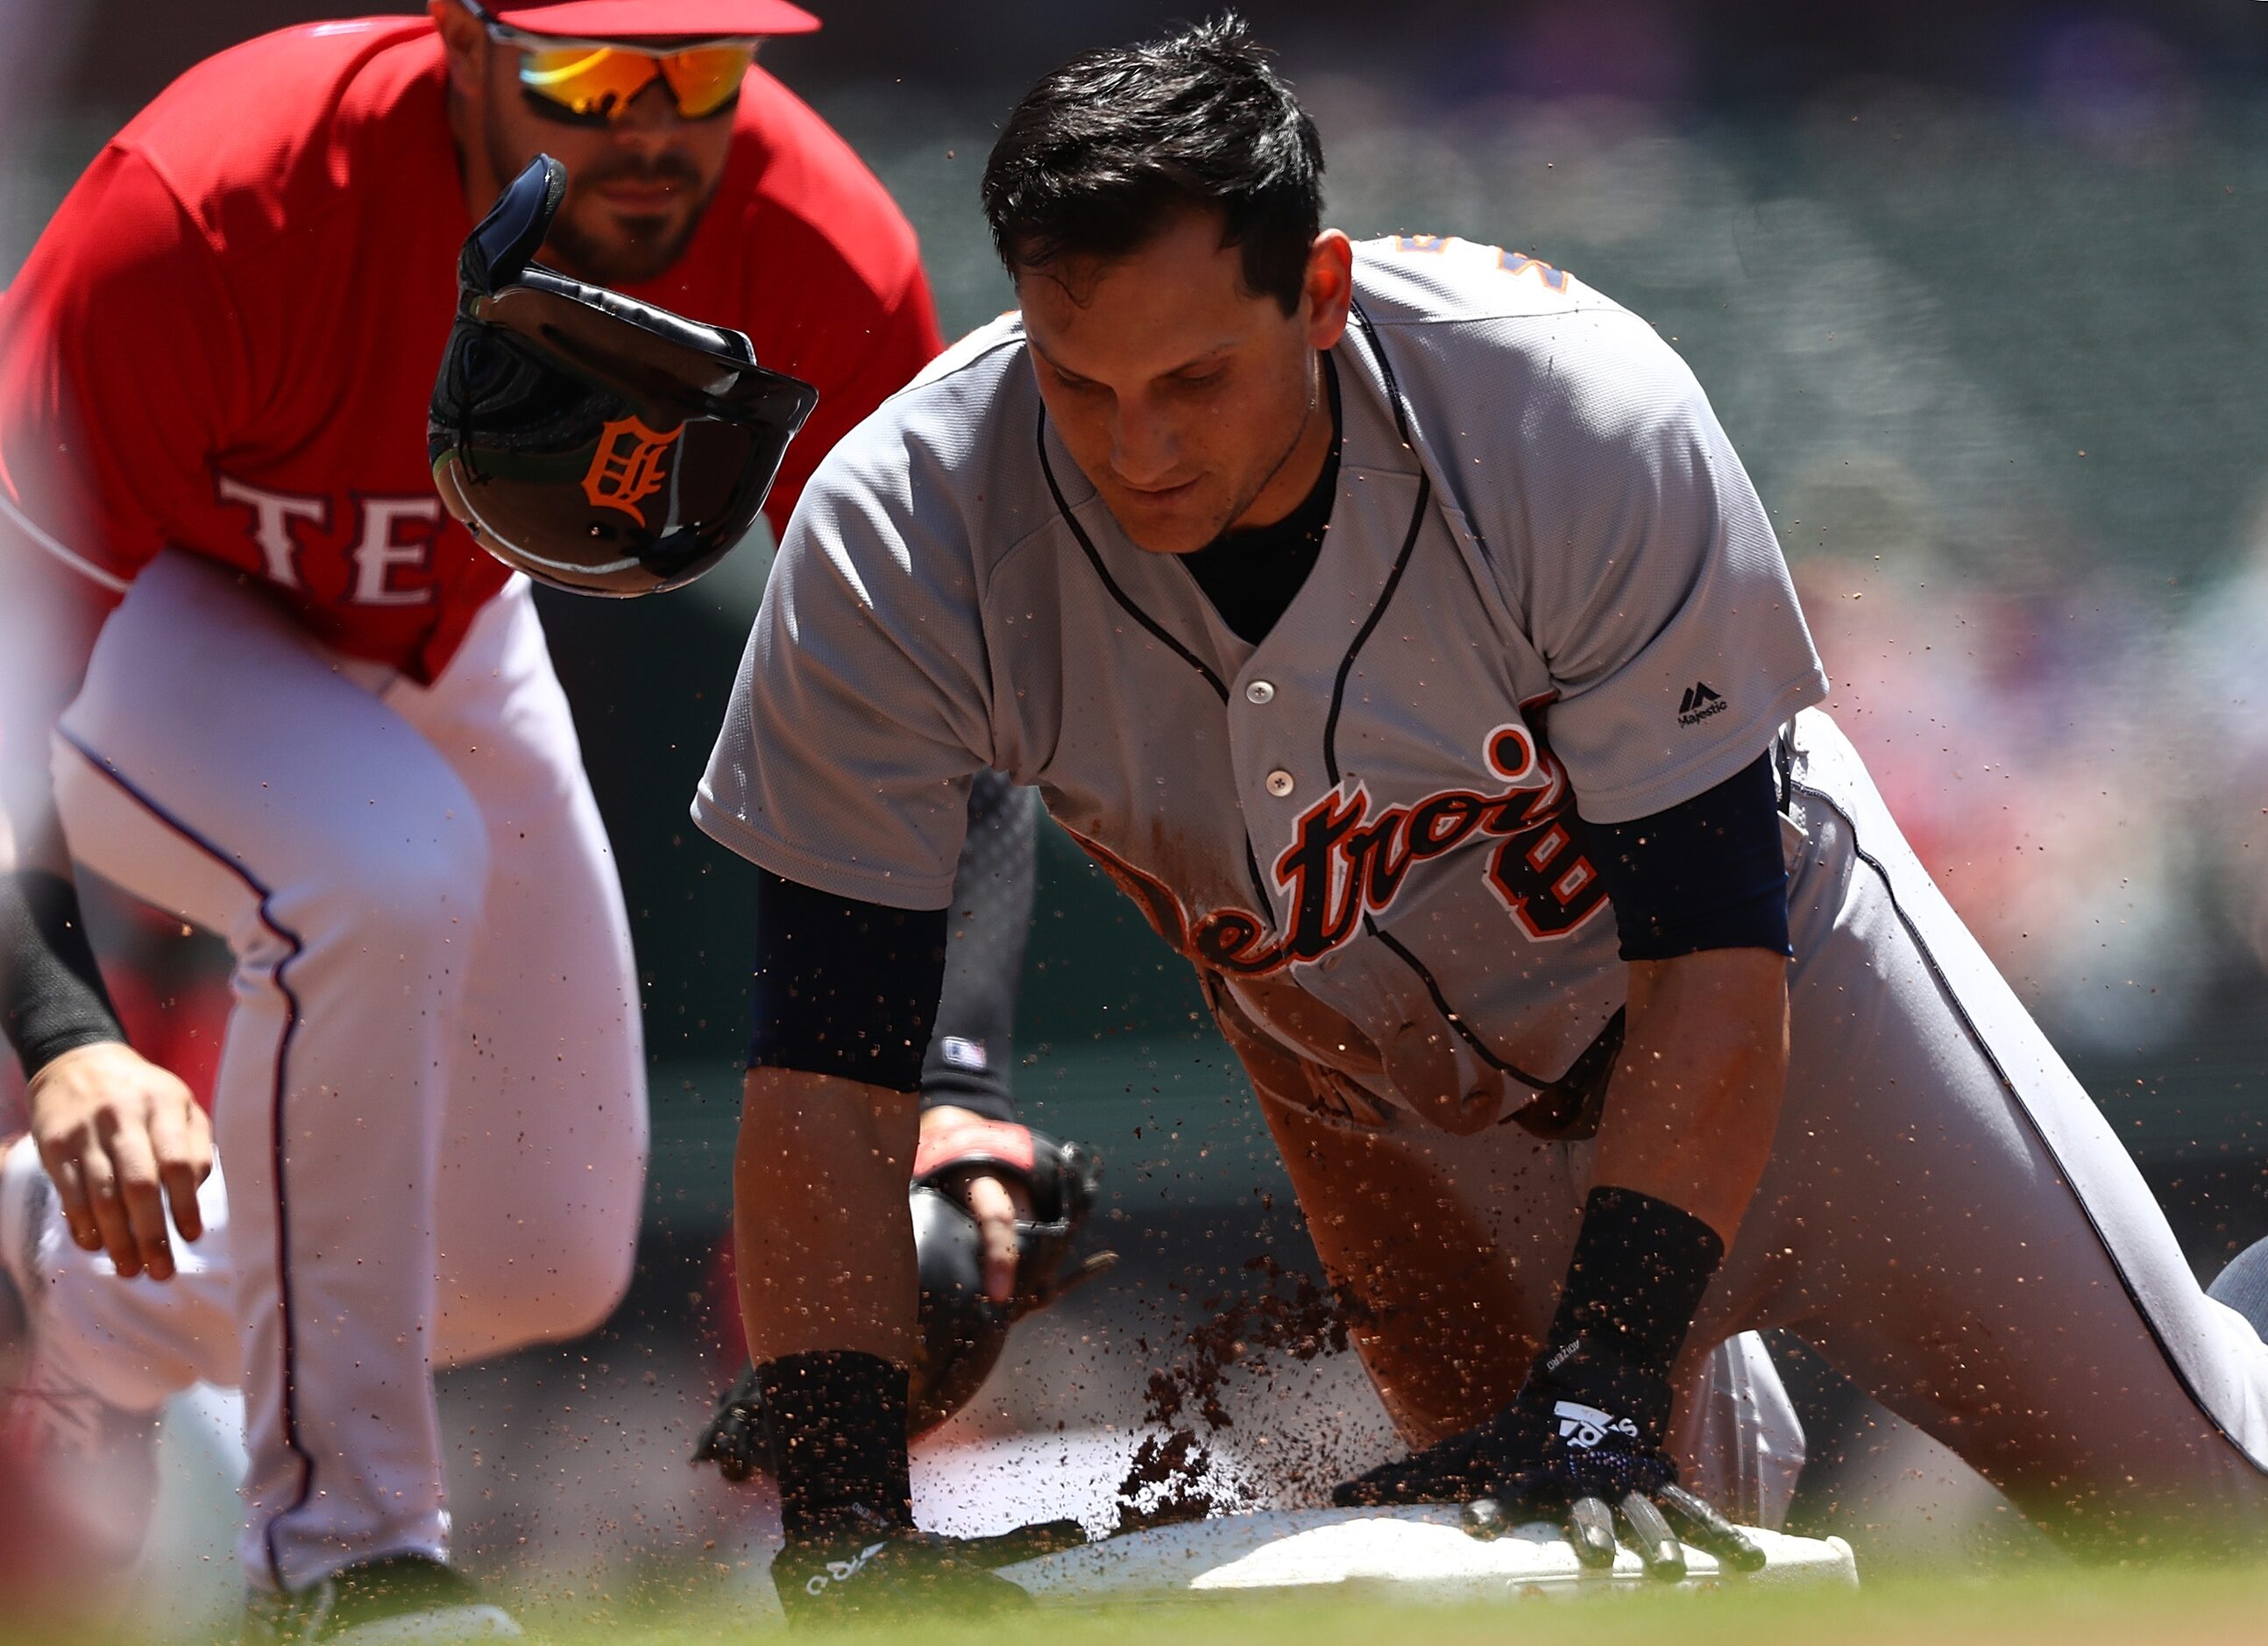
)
(652, 20)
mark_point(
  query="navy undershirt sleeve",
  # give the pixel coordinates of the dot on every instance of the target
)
(1707, 874)
(845, 987)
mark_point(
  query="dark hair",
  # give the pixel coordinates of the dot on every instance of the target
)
(1102, 154)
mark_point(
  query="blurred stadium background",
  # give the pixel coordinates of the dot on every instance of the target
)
(1975, 289)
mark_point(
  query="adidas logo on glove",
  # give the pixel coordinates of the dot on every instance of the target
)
(1584, 1426)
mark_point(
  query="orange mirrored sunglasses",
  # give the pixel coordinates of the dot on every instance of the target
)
(591, 82)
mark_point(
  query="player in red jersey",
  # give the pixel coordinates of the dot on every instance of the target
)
(288, 699)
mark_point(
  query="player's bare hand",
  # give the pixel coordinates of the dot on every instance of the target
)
(123, 1141)
(997, 1201)
(997, 1205)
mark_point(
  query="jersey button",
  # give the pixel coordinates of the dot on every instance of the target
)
(1260, 691)
(1279, 783)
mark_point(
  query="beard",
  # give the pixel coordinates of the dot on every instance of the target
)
(609, 250)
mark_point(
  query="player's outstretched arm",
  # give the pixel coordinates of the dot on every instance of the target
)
(1696, 1095)
(828, 1294)
(1700, 900)
(120, 1136)
(1689, 1124)
(844, 994)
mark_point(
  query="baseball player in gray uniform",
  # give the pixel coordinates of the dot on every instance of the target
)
(1397, 623)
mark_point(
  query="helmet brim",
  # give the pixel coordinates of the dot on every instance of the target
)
(599, 443)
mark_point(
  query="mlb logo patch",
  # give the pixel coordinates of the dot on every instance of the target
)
(964, 1054)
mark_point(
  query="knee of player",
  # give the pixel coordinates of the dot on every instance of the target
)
(421, 883)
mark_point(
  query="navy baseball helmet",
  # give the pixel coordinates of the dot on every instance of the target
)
(597, 443)
(962, 1330)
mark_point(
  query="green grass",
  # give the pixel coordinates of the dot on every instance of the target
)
(2064, 1607)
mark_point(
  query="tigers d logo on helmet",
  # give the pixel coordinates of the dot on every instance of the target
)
(629, 467)
(595, 442)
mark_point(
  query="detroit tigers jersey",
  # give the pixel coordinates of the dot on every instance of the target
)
(1547, 583)
(224, 340)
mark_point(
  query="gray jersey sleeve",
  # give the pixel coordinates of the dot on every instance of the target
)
(1654, 591)
(860, 712)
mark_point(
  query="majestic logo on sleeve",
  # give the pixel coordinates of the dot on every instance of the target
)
(1701, 700)
(1347, 861)
(629, 467)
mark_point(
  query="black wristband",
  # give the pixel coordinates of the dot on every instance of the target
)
(52, 999)
(1635, 1282)
(838, 1426)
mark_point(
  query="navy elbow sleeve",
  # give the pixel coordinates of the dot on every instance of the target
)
(1707, 874)
(845, 987)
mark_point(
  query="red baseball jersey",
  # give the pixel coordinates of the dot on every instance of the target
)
(225, 340)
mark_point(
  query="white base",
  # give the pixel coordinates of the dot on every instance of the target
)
(1421, 1554)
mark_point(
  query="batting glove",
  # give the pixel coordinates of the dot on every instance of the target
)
(1581, 1444)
